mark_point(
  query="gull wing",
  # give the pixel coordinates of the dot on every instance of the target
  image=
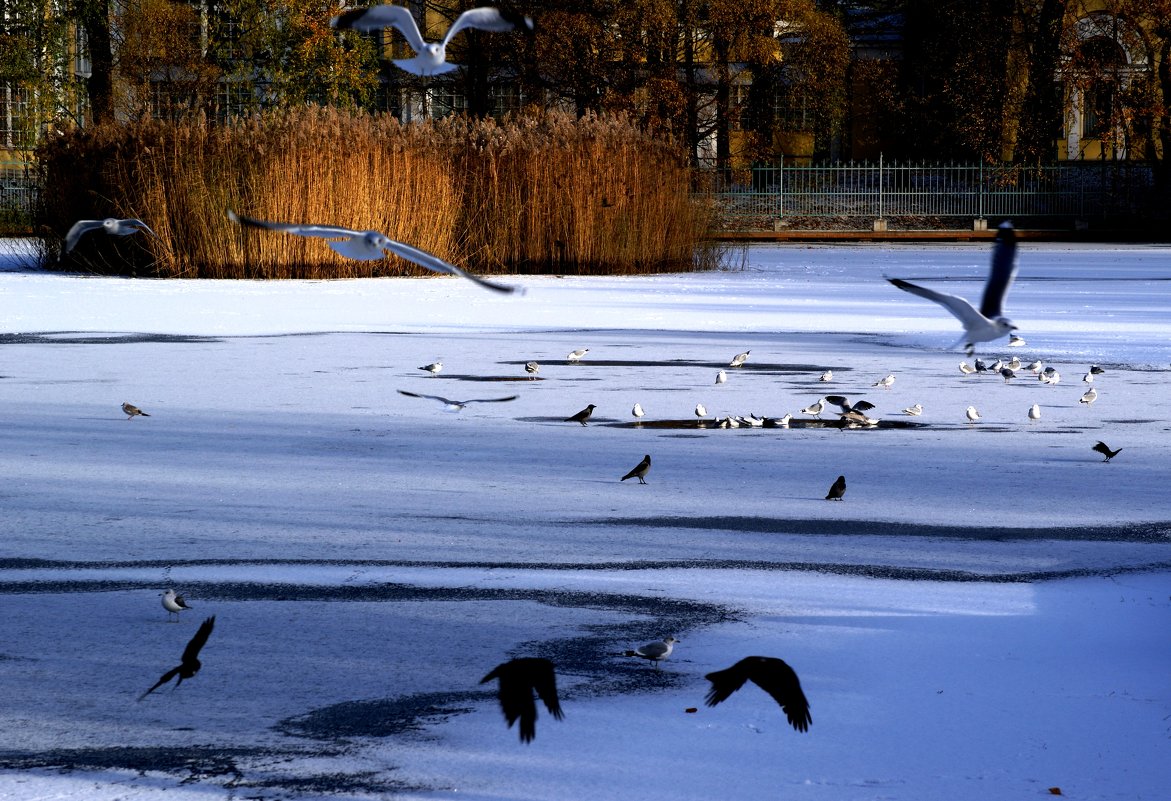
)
(384, 16)
(1002, 272)
(320, 231)
(134, 222)
(962, 310)
(436, 264)
(439, 398)
(486, 19)
(80, 228)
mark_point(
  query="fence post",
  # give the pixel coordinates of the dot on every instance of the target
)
(980, 223)
(880, 223)
(781, 188)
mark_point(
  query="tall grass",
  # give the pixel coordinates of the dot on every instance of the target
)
(545, 194)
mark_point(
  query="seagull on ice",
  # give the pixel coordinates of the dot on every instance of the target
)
(189, 664)
(1014, 364)
(1034, 367)
(174, 604)
(966, 368)
(721, 377)
(1049, 376)
(1035, 412)
(915, 410)
(640, 470)
(111, 225)
(582, 416)
(1089, 397)
(1007, 374)
(815, 408)
(519, 679)
(827, 376)
(972, 414)
(989, 322)
(577, 354)
(450, 405)
(700, 411)
(770, 674)
(843, 405)
(778, 422)
(739, 359)
(432, 368)
(837, 489)
(431, 57)
(1015, 342)
(1096, 370)
(370, 246)
(131, 411)
(637, 411)
(1104, 449)
(885, 383)
(655, 651)
(532, 368)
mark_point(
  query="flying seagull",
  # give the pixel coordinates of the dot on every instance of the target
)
(189, 665)
(770, 674)
(430, 57)
(450, 405)
(989, 322)
(174, 604)
(131, 411)
(370, 246)
(111, 225)
(519, 678)
(582, 416)
(655, 651)
(640, 470)
(1104, 449)
(739, 359)
(432, 368)
(837, 489)
(844, 406)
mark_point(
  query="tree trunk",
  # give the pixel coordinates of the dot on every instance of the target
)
(94, 18)
(1041, 110)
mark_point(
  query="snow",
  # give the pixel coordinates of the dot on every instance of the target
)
(983, 616)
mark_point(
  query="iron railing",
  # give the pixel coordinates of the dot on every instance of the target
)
(18, 193)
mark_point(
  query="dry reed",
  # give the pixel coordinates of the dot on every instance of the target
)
(545, 194)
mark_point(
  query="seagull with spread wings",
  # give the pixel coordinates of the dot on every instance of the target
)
(519, 679)
(189, 665)
(770, 674)
(370, 246)
(450, 405)
(111, 225)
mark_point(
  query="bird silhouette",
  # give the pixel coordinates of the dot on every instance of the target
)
(456, 405)
(770, 674)
(132, 411)
(582, 416)
(189, 665)
(519, 679)
(640, 470)
(837, 489)
(1104, 449)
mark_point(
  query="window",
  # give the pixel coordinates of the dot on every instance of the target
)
(16, 128)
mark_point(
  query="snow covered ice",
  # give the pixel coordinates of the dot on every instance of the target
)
(984, 615)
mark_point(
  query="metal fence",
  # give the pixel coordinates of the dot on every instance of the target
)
(18, 193)
(764, 198)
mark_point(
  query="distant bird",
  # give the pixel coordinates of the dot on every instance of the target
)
(189, 664)
(433, 368)
(456, 405)
(1015, 342)
(827, 376)
(770, 674)
(837, 489)
(739, 359)
(519, 679)
(980, 366)
(721, 377)
(966, 368)
(778, 422)
(532, 368)
(843, 405)
(972, 414)
(640, 470)
(655, 651)
(1049, 376)
(370, 246)
(174, 604)
(111, 225)
(700, 411)
(1034, 367)
(1088, 378)
(131, 411)
(815, 408)
(1089, 397)
(1007, 374)
(576, 355)
(855, 418)
(1096, 370)
(915, 410)
(989, 322)
(995, 366)
(1104, 449)
(431, 57)
(582, 416)
(637, 411)
(1035, 412)
(885, 383)
(1014, 364)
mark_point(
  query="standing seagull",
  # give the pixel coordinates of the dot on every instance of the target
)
(577, 354)
(655, 651)
(827, 376)
(532, 368)
(972, 414)
(739, 359)
(1035, 412)
(434, 368)
(519, 679)
(456, 405)
(637, 411)
(131, 411)
(430, 58)
(1089, 397)
(915, 410)
(815, 408)
(640, 470)
(837, 489)
(770, 674)
(174, 604)
(189, 665)
(370, 246)
(989, 322)
(885, 383)
(966, 368)
(1104, 449)
(111, 225)
(721, 377)
(700, 411)
(582, 416)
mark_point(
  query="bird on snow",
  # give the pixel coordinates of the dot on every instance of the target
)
(721, 377)
(640, 470)
(1034, 367)
(518, 680)
(189, 664)
(637, 411)
(915, 410)
(1096, 370)
(885, 383)
(1035, 412)
(582, 416)
(827, 376)
(1049, 376)
(430, 57)
(1104, 449)
(433, 368)
(370, 246)
(981, 367)
(837, 489)
(1088, 378)
(1014, 364)
(966, 368)
(972, 414)
(532, 368)
(700, 411)
(576, 355)
(1015, 342)
(173, 603)
(770, 674)
(987, 323)
(111, 225)
(655, 651)
(456, 405)
(778, 422)
(131, 411)
(739, 359)
(1007, 374)
(815, 408)
(1089, 397)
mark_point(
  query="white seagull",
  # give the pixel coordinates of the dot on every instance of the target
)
(989, 322)
(111, 225)
(915, 410)
(173, 603)
(456, 405)
(966, 368)
(432, 368)
(739, 359)
(1089, 397)
(700, 411)
(827, 376)
(721, 377)
(577, 354)
(370, 246)
(532, 368)
(1015, 342)
(885, 383)
(430, 57)
(815, 408)
(637, 410)
(1035, 412)
(655, 651)
(973, 415)
(1049, 376)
